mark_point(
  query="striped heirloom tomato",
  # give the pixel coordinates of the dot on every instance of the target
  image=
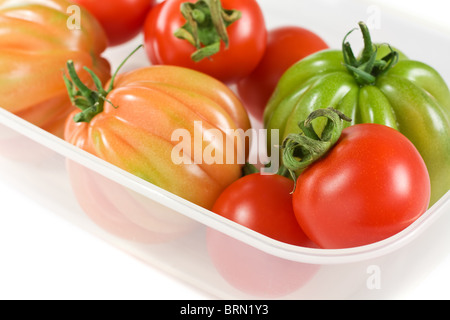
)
(37, 37)
(133, 124)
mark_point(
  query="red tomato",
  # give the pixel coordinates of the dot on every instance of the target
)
(247, 40)
(371, 185)
(285, 46)
(262, 203)
(122, 20)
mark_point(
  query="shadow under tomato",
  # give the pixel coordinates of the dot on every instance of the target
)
(253, 271)
(123, 212)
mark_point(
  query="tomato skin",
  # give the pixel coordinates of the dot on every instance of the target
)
(371, 185)
(285, 46)
(137, 135)
(247, 43)
(122, 20)
(36, 44)
(410, 97)
(262, 203)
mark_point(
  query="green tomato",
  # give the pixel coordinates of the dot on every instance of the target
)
(381, 86)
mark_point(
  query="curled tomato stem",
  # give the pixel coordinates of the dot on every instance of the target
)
(301, 150)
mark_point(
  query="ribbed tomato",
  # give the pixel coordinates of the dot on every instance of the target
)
(37, 37)
(135, 125)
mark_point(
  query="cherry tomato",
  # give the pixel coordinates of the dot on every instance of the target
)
(371, 185)
(246, 38)
(122, 20)
(285, 46)
(262, 203)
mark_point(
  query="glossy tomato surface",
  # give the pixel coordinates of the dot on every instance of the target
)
(247, 40)
(37, 38)
(122, 20)
(286, 45)
(263, 203)
(371, 185)
(407, 95)
(158, 122)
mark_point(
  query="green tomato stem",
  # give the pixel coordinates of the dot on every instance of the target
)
(90, 102)
(206, 26)
(366, 69)
(301, 150)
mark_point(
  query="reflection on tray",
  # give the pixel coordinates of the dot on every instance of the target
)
(123, 212)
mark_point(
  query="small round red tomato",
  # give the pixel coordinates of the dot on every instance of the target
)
(227, 46)
(285, 46)
(122, 20)
(262, 203)
(369, 186)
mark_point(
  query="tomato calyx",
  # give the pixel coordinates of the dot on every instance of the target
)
(89, 101)
(367, 68)
(206, 26)
(301, 150)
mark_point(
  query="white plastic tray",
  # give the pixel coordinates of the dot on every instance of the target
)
(380, 270)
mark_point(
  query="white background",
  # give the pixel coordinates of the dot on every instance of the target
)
(79, 266)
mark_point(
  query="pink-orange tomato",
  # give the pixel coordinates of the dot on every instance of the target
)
(37, 38)
(140, 125)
